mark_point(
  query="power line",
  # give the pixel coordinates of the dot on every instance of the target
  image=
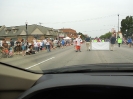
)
(82, 20)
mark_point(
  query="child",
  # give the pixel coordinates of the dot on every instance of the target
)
(30, 50)
(10, 51)
(5, 51)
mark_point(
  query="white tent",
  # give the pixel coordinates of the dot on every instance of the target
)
(67, 38)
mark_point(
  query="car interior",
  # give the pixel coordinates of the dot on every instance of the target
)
(17, 83)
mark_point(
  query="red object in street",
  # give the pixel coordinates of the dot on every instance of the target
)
(78, 47)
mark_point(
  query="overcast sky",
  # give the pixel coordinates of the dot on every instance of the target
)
(92, 17)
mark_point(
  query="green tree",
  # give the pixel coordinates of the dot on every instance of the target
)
(106, 36)
(82, 35)
(127, 26)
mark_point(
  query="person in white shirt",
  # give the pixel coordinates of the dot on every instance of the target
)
(55, 43)
(40, 45)
(48, 45)
(35, 46)
(45, 43)
(78, 44)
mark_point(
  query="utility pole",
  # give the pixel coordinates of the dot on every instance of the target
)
(26, 23)
(118, 24)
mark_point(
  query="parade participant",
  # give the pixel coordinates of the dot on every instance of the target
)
(98, 40)
(112, 41)
(119, 41)
(88, 40)
(129, 41)
(78, 44)
(102, 40)
(74, 43)
(95, 40)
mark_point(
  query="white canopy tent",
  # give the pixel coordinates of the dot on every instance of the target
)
(67, 38)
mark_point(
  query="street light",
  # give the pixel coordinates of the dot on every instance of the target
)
(26, 23)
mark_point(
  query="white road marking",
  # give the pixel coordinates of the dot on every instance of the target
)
(40, 63)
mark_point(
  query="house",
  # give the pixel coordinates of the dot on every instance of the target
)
(32, 31)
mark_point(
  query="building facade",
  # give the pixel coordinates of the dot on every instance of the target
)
(32, 31)
(69, 32)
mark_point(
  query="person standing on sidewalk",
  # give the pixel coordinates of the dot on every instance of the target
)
(45, 43)
(112, 41)
(62, 43)
(18, 47)
(88, 40)
(55, 42)
(12, 44)
(48, 45)
(23, 45)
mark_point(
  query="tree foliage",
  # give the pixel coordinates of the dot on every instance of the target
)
(82, 35)
(127, 26)
(106, 36)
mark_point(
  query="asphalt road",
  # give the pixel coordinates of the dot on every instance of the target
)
(68, 57)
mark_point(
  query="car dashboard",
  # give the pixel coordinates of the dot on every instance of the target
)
(81, 85)
(17, 83)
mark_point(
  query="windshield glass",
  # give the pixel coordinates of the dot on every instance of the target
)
(40, 35)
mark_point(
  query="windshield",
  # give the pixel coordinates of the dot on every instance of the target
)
(42, 35)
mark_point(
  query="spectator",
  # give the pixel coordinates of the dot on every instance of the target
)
(23, 45)
(12, 45)
(129, 41)
(30, 50)
(18, 47)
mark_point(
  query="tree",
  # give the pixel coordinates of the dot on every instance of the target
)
(82, 35)
(127, 26)
(106, 36)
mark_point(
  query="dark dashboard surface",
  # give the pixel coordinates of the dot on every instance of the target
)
(81, 85)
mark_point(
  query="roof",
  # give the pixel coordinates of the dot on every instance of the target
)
(66, 30)
(19, 29)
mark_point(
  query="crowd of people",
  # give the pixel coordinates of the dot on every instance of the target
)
(23, 47)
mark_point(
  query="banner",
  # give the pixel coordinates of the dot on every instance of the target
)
(100, 46)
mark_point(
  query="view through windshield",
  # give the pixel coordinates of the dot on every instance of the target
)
(41, 35)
